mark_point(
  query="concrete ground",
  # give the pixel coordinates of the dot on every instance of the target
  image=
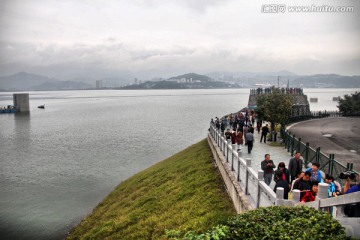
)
(339, 136)
(277, 154)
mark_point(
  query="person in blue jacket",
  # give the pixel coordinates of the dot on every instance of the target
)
(331, 189)
(315, 173)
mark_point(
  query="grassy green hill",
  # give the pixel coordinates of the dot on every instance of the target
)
(184, 192)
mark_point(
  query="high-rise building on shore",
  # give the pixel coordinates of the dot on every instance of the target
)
(99, 84)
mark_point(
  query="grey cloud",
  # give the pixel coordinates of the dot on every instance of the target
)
(176, 37)
(198, 5)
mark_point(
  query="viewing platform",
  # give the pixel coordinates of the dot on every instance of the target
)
(300, 102)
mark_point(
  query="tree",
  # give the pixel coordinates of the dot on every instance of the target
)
(350, 104)
(274, 107)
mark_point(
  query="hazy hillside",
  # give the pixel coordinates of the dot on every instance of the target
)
(23, 81)
(328, 80)
(185, 81)
(192, 76)
(62, 85)
(29, 81)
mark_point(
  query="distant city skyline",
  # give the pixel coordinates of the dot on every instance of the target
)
(154, 38)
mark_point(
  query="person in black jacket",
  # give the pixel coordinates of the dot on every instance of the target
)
(295, 165)
(280, 182)
(303, 184)
(264, 132)
(268, 166)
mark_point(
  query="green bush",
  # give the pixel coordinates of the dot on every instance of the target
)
(277, 223)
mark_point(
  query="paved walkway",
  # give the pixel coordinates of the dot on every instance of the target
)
(277, 154)
(339, 136)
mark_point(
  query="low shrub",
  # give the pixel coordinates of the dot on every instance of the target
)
(276, 222)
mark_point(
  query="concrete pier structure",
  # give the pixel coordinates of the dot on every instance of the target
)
(21, 102)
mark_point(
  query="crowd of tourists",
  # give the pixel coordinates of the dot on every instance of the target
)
(238, 128)
(270, 90)
(307, 182)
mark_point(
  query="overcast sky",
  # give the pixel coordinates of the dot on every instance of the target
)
(149, 38)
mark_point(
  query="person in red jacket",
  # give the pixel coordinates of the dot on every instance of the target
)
(311, 195)
(239, 140)
(233, 137)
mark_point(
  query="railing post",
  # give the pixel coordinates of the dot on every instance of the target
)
(226, 146)
(223, 142)
(220, 141)
(260, 178)
(298, 146)
(215, 134)
(279, 196)
(296, 196)
(248, 164)
(292, 145)
(285, 137)
(323, 190)
(229, 150)
(234, 147)
(322, 193)
(238, 173)
(318, 155)
(307, 153)
(331, 163)
(232, 159)
(289, 142)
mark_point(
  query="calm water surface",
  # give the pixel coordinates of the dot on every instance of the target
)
(57, 164)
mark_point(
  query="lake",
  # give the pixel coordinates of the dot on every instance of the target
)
(58, 163)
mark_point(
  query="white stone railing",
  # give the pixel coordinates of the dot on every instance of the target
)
(254, 190)
(248, 190)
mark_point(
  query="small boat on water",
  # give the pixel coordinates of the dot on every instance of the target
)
(42, 106)
(8, 109)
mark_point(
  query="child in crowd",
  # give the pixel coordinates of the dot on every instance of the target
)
(311, 195)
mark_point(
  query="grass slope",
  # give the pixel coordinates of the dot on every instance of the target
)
(183, 192)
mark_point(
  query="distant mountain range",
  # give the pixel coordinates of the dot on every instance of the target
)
(251, 80)
(23, 81)
(28, 81)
